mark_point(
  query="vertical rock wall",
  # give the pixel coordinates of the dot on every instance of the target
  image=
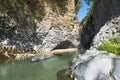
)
(103, 11)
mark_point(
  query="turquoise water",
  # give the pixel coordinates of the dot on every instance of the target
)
(44, 70)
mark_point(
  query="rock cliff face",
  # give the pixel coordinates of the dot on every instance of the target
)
(109, 30)
(103, 11)
(57, 28)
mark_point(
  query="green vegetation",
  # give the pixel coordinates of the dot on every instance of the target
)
(112, 45)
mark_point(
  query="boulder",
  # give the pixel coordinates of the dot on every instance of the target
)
(97, 66)
(41, 57)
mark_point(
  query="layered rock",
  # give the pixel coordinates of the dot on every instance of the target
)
(56, 28)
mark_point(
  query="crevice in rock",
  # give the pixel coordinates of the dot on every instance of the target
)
(64, 45)
(87, 33)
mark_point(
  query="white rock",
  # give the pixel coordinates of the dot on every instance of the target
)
(96, 65)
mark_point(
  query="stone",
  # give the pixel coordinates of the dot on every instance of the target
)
(41, 57)
(23, 56)
(97, 66)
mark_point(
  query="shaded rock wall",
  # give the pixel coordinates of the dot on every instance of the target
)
(103, 10)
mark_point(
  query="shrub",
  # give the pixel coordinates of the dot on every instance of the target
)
(112, 45)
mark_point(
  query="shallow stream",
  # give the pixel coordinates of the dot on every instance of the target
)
(44, 70)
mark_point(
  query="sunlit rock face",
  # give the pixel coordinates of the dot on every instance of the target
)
(41, 34)
(97, 66)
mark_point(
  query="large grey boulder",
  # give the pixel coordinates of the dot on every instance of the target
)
(97, 66)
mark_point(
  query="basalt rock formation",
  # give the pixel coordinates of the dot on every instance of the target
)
(39, 25)
(103, 11)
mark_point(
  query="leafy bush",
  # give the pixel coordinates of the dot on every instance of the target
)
(112, 45)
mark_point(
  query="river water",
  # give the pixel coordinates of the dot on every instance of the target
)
(44, 70)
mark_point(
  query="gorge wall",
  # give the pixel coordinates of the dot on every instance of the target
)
(103, 11)
(39, 25)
